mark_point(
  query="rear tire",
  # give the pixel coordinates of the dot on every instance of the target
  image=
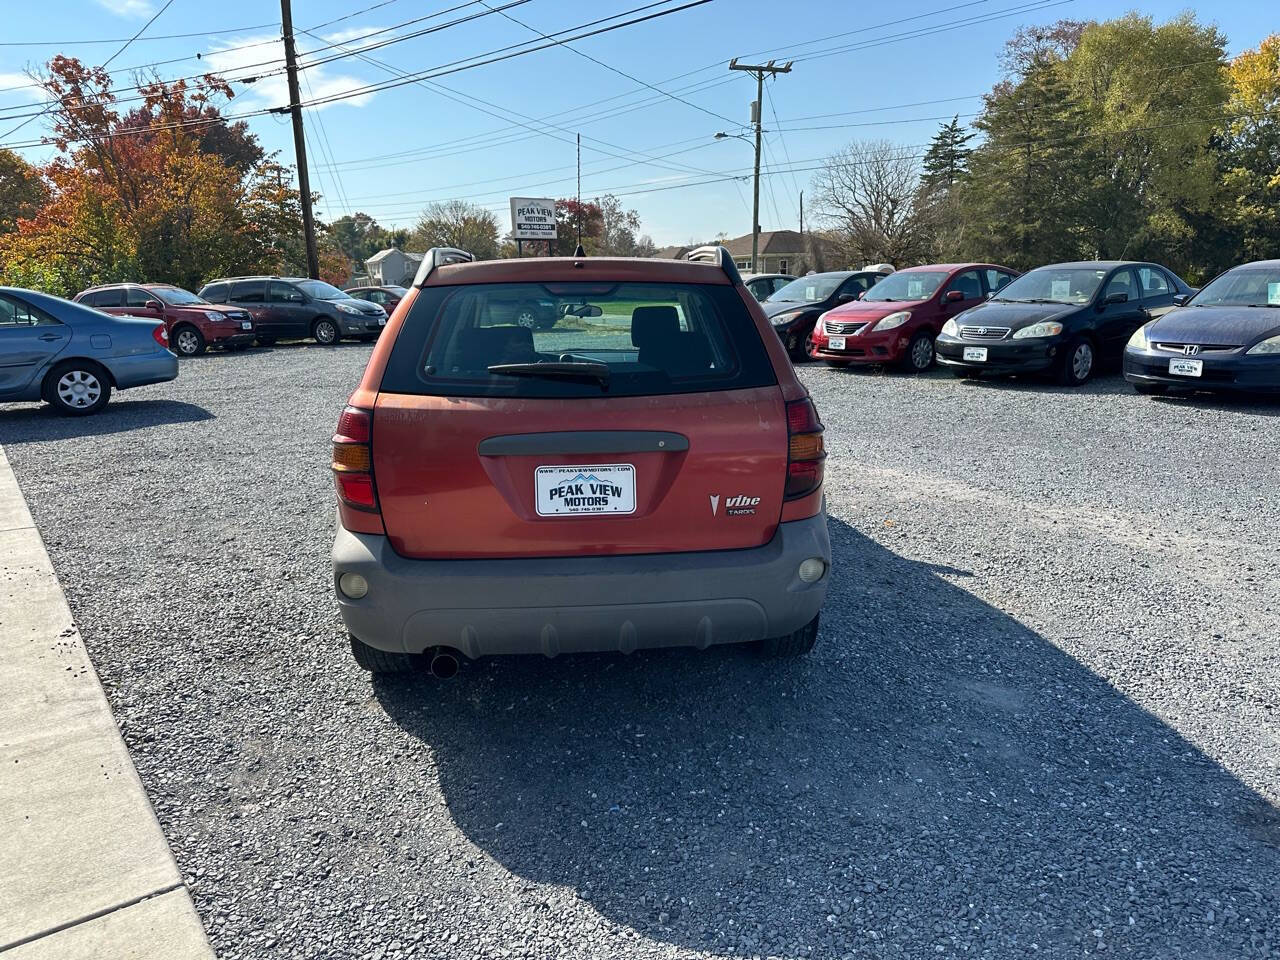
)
(188, 341)
(77, 388)
(1150, 389)
(793, 645)
(382, 661)
(325, 332)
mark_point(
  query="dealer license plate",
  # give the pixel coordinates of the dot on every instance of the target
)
(1186, 368)
(585, 489)
(978, 354)
(382, 321)
(246, 324)
(837, 343)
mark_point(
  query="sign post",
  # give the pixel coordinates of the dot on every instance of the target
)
(532, 218)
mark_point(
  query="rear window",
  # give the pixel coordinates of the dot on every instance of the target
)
(215, 292)
(629, 339)
(113, 297)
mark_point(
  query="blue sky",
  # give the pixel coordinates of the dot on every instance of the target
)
(507, 128)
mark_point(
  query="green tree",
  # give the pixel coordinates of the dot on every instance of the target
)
(947, 159)
(1151, 97)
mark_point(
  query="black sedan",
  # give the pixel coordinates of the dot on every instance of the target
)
(795, 308)
(1063, 319)
(1226, 337)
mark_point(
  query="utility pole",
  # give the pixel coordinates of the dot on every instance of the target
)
(758, 72)
(801, 214)
(299, 141)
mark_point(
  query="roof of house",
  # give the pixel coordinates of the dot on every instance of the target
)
(771, 242)
(383, 254)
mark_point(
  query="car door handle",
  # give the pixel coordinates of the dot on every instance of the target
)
(50, 336)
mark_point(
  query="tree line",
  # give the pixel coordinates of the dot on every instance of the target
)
(1124, 139)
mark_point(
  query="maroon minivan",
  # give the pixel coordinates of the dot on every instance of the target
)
(645, 472)
(193, 323)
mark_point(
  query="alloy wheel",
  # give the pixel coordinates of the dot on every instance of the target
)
(78, 389)
(526, 319)
(1082, 361)
(326, 332)
(922, 353)
(188, 342)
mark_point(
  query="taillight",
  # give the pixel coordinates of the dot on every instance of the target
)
(161, 335)
(805, 449)
(353, 459)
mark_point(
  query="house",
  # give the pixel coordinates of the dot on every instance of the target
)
(393, 266)
(781, 251)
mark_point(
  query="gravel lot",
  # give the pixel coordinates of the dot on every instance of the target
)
(1041, 719)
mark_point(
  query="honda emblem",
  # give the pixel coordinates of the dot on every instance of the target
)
(1190, 349)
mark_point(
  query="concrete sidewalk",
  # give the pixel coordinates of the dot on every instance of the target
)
(84, 867)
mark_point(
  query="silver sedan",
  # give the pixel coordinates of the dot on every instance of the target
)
(71, 356)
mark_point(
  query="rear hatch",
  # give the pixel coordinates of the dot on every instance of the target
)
(647, 419)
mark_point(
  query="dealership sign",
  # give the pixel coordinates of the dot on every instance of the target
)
(533, 219)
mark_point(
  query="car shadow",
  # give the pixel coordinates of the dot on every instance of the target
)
(934, 776)
(1101, 384)
(27, 423)
(1262, 405)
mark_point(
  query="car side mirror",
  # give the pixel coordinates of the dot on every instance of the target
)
(154, 305)
(846, 298)
(1115, 298)
(1180, 298)
(954, 296)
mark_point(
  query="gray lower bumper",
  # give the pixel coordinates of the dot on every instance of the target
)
(580, 604)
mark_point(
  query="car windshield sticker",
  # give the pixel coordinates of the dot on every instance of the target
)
(915, 289)
(1273, 294)
(1061, 290)
(811, 293)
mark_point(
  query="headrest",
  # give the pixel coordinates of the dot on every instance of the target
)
(654, 325)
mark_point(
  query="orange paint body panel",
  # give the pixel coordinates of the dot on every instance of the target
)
(472, 505)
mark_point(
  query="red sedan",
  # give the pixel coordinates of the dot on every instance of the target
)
(897, 320)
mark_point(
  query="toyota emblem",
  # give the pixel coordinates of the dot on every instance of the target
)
(982, 331)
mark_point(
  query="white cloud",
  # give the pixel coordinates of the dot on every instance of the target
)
(128, 8)
(315, 83)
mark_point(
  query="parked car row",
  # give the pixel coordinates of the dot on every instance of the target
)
(1064, 319)
(234, 312)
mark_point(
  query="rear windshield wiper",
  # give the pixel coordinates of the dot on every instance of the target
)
(563, 370)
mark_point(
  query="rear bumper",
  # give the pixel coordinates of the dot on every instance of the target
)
(582, 604)
(141, 369)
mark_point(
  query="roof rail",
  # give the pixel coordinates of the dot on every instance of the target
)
(716, 253)
(439, 257)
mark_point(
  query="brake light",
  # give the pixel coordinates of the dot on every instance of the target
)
(353, 460)
(161, 335)
(805, 449)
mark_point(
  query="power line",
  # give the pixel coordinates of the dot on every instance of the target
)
(49, 106)
(610, 67)
(164, 36)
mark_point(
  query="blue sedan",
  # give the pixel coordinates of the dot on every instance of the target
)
(71, 356)
(1226, 337)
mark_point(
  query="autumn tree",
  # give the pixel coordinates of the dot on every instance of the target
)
(22, 190)
(1251, 150)
(168, 192)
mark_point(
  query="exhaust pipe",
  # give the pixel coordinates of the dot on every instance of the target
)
(443, 664)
